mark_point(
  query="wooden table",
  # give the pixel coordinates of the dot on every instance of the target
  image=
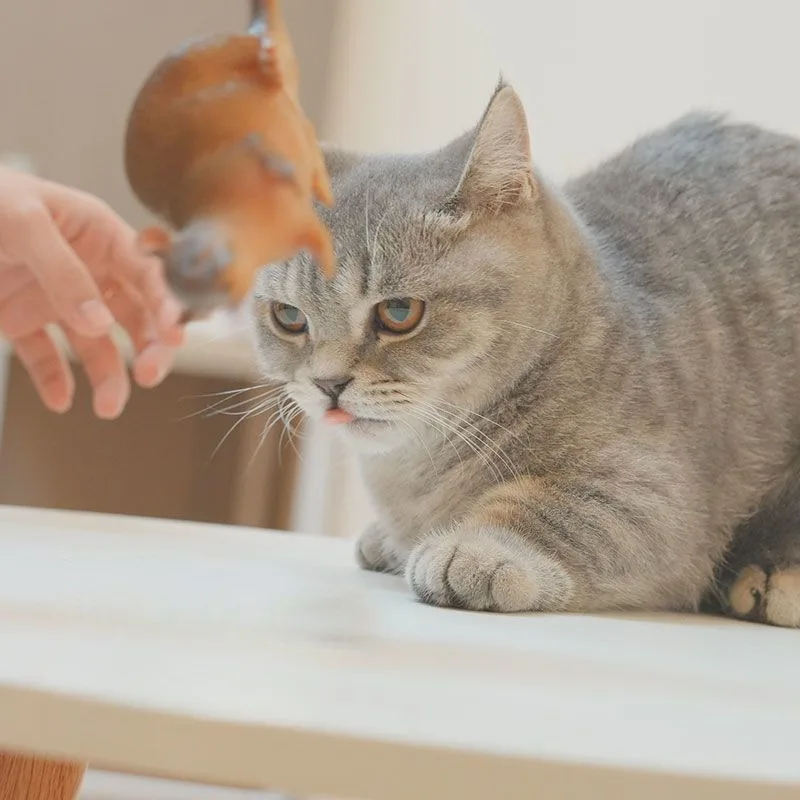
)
(235, 657)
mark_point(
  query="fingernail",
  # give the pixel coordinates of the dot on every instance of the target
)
(152, 366)
(60, 405)
(110, 398)
(148, 376)
(96, 314)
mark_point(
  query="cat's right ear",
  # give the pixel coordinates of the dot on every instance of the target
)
(498, 172)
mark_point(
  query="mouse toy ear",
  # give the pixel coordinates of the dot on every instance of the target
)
(155, 240)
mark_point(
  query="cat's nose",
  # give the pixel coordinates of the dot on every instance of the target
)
(332, 387)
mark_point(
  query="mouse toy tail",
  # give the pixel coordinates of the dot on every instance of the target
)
(266, 17)
(258, 17)
(267, 23)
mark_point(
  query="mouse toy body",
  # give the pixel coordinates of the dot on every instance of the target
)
(219, 148)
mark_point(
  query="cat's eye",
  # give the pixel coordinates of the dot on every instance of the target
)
(399, 314)
(289, 318)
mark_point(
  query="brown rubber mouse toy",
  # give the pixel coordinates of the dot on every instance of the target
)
(218, 147)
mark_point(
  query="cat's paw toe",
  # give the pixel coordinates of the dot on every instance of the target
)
(475, 571)
(763, 595)
(375, 552)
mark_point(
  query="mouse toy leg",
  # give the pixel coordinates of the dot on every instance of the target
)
(322, 185)
(321, 180)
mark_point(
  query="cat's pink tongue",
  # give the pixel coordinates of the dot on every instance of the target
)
(338, 416)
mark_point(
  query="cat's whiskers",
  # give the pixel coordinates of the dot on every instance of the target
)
(227, 392)
(433, 421)
(235, 397)
(228, 434)
(422, 441)
(444, 420)
(251, 405)
(496, 447)
(432, 414)
(260, 408)
(230, 394)
(404, 401)
(274, 418)
(484, 440)
(479, 416)
(268, 426)
(295, 411)
(469, 433)
(231, 410)
(483, 443)
(528, 327)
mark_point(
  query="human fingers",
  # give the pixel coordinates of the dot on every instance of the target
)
(48, 368)
(153, 359)
(108, 245)
(31, 237)
(106, 370)
(146, 273)
(24, 307)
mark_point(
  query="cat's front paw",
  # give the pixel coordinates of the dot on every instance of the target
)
(483, 569)
(376, 552)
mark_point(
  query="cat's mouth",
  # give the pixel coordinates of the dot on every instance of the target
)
(338, 416)
(341, 417)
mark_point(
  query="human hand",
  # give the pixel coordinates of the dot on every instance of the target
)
(67, 259)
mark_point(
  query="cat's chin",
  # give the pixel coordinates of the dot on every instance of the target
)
(370, 436)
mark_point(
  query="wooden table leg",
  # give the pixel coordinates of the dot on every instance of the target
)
(28, 778)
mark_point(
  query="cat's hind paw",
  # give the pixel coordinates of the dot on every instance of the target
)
(767, 595)
(482, 570)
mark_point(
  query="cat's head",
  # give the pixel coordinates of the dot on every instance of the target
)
(441, 292)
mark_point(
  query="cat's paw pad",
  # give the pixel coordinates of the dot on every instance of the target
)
(763, 595)
(375, 551)
(473, 570)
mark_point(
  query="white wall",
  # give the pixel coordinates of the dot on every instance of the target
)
(595, 74)
(403, 79)
(410, 74)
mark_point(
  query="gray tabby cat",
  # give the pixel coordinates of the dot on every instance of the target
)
(574, 399)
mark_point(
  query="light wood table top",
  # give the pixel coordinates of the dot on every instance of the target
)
(241, 657)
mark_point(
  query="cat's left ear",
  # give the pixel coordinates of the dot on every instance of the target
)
(499, 171)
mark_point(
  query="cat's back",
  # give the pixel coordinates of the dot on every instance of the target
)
(698, 191)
